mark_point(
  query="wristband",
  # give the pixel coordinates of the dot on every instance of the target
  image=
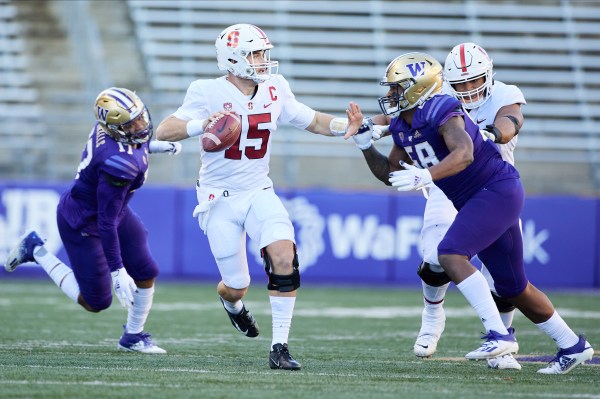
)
(338, 126)
(195, 127)
(495, 131)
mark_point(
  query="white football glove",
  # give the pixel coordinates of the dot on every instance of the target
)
(380, 131)
(487, 135)
(364, 137)
(491, 132)
(412, 178)
(124, 287)
(172, 148)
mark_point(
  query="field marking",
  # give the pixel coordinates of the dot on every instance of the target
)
(89, 383)
(400, 376)
(524, 358)
(302, 310)
(175, 370)
(379, 312)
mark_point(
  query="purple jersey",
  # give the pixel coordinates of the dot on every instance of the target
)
(108, 174)
(427, 147)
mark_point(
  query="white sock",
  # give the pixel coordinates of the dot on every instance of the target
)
(282, 308)
(433, 317)
(507, 318)
(138, 312)
(556, 328)
(60, 273)
(434, 296)
(233, 307)
(476, 291)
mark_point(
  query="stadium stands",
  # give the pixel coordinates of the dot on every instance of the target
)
(21, 131)
(336, 51)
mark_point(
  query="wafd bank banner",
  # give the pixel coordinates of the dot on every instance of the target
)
(342, 237)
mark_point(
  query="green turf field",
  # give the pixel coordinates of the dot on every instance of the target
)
(352, 343)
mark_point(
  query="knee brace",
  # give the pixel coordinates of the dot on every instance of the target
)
(281, 282)
(435, 279)
(502, 304)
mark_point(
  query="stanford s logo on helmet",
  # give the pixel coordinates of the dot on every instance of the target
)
(467, 62)
(236, 43)
(416, 77)
(123, 115)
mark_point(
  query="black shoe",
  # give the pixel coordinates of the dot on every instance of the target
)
(243, 322)
(280, 358)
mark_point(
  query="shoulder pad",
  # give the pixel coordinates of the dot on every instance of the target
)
(119, 167)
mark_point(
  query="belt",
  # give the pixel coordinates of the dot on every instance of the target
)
(226, 192)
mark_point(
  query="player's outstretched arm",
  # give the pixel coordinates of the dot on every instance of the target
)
(508, 122)
(172, 129)
(164, 147)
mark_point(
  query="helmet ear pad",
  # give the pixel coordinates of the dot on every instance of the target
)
(235, 47)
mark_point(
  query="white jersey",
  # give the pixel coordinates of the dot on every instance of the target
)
(439, 210)
(245, 165)
(501, 96)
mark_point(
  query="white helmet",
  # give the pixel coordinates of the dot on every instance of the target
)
(236, 43)
(467, 62)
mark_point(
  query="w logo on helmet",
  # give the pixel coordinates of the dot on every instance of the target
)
(416, 69)
(102, 113)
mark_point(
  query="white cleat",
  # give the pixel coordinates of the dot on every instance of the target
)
(504, 362)
(567, 359)
(495, 345)
(425, 345)
(432, 327)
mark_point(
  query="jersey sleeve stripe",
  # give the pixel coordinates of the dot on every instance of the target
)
(122, 165)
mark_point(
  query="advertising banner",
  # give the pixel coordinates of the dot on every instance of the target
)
(342, 237)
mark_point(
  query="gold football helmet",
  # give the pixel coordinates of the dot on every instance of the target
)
(123, 115)
(413, 78)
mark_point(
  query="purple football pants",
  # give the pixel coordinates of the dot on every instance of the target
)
(89, 263)
(488, 226)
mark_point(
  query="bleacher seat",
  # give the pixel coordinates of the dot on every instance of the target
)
(21, 128)
(333, 52)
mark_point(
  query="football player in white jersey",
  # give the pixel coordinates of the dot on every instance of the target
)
(496, 108)
(235, 193)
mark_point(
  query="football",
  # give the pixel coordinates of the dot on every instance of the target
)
(221, 133)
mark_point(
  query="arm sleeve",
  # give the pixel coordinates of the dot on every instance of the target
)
(111, 195)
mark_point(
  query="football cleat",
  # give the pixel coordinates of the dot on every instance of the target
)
(426, 345)
(244, 322)
(495, 345)
(140, 342)
(280, 358)
(432, 326)
(504, 362)
(23, 252)
(567, 359)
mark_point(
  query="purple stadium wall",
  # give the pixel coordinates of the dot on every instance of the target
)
(343, 237)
